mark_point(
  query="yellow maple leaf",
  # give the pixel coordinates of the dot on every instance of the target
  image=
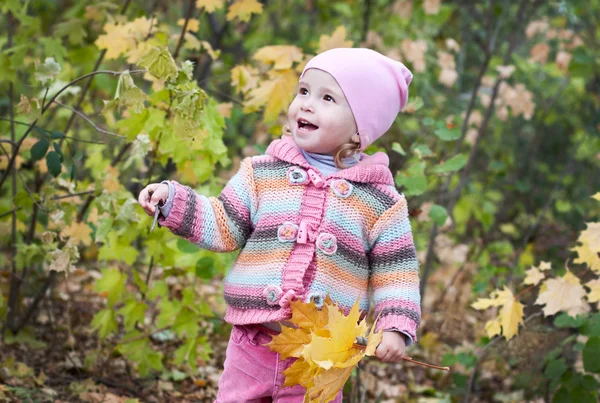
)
(590, 248)
(346, 328)
(511, 315)
(300, 373)
(336, 40)
(324, 340)
(275, 94)
(596, 196)
(327, 385)
(283, 56)
(562, 294)
(244, 78)
(214, 54)
(209, 5)
(193, 24)
(122, 38)
(594, 294)
(533, 276)
(545, 266)
(290, 342)
(78, 232)
(243, 9)
(493, 327)
(308, 316)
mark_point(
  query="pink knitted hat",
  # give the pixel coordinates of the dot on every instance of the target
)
(375, 86)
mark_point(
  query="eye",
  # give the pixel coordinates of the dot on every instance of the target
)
(328, 98)
(303, 91)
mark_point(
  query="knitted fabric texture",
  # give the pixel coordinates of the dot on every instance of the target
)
(305, 236)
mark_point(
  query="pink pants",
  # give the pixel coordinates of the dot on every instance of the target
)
(253, 373)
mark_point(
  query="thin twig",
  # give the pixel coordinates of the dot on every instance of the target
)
(184, 28)
(89, 121)
(48, 134)
(31, 127)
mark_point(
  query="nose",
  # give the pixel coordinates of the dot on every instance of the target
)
(307, 105)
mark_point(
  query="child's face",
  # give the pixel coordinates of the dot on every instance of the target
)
(321, 102)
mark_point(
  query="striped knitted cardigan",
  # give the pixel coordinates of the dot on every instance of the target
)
(305, 236)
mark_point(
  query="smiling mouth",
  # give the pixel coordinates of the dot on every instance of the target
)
(305, 126)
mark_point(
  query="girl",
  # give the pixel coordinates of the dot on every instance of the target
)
(313, 216)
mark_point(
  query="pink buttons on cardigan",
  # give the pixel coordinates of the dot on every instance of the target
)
(287, 232)
(272, 293)
(316, 297)
(327, 243)
(315, 179)
(297, 176)
(342, 188)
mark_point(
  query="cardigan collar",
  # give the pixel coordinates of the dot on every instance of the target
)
(370, 169)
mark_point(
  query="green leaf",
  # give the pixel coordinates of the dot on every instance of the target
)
(186, 323)
(159, 289)
(187, 353)
(104, 226)
(141, 353)
(562, 396)
(112, 283)
(453, 164)
(53, 163)
(47, 71)
(446, 134)
(39, 149)
(133, 311)
(555, 369)
(127, 95)
(58, 151)
(56, 135)
(438, 214)
(422, 151)
(187, 246)
(563, 320)
(159, 63)
(398, 148)
(590, 354)
(592, 326)
(104, 322)
(205, 268)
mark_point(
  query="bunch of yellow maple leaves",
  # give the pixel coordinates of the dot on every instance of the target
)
(324, 342)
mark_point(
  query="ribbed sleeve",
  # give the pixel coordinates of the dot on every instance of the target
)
(395, 271)
(220, 224)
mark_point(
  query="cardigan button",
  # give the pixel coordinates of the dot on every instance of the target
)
(316, 297)
(315, 179)
(342, 188)
(327, 243)
(297, 176)
(272, 293)
(287, 232)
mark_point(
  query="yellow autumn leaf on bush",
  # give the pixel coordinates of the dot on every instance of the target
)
(594, 286)
(121, 38)
(325, 343)
(209, 5)
(563, 294)
(283, 56)
(336, 40)
(243, 9)
(510, 316)
(78, 232)
(590, 248)
(275, 94)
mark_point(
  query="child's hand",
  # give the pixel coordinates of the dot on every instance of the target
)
(392, 347)
(151, 195)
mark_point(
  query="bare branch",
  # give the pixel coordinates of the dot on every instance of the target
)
(89, 121)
